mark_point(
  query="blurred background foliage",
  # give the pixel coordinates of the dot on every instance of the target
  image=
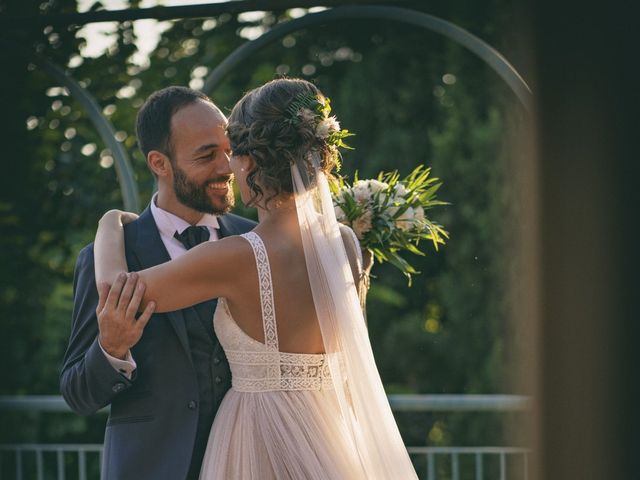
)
(411, 97)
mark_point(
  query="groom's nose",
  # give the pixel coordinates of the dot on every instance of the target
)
(221, 166)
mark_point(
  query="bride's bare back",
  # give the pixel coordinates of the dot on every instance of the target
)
(297, 324)
(298, 330)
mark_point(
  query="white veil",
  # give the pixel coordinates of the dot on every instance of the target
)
(357, 385)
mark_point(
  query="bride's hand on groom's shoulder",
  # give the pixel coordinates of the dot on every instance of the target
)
(117, 218)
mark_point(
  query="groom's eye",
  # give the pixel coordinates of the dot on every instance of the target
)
(205, 157)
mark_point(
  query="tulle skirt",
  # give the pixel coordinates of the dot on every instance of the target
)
(297, 435)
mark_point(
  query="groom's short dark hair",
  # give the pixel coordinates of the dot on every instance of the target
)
(153, 123)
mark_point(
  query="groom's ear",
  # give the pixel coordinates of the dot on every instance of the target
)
(159, 163)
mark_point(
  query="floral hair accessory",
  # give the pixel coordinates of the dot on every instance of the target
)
(307, 107)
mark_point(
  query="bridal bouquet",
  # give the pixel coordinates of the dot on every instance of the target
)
(389, 214)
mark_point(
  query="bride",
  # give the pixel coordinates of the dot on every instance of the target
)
(306, 400)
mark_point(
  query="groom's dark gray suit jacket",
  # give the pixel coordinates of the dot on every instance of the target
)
(160, 419)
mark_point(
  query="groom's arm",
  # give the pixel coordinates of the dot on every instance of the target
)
(88, 381)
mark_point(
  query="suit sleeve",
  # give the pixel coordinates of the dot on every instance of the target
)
(88, 382)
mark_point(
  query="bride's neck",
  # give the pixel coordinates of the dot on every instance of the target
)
(279, 213)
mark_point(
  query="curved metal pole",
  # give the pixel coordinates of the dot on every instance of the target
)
(124, 171)
(403, 15)
(177, 12)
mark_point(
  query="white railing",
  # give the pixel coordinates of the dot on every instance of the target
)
(82, 461)
(69, 461)
(476, 467)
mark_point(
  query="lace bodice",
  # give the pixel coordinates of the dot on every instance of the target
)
(261, 367)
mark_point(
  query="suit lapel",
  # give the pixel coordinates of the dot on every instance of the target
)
(150, 251)
(226, 227)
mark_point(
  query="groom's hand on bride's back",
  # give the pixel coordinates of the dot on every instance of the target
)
(118, 321)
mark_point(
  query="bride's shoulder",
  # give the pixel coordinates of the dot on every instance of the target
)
(231, 244)
(229, 251)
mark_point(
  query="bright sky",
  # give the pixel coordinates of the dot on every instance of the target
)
(147, 31)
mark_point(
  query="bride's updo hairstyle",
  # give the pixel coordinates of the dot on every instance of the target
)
(273, 125)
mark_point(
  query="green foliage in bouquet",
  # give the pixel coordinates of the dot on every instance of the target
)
(389, 214)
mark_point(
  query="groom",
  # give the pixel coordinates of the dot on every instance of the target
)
(165, 386)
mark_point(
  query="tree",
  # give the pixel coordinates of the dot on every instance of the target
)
(409, 95)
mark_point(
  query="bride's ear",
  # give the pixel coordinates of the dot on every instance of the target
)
(249, 164)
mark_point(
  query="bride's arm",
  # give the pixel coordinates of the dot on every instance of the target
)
(108, 247)
(207, 271)
(360, 263)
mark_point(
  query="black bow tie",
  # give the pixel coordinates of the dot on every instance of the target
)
(193, 236)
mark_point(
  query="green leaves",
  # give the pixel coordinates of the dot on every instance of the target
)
(388, 214)
(305, 100)
(337, 138)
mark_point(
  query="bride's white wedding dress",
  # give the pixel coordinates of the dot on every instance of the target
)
(280, 419)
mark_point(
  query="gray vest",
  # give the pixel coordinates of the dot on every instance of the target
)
(212, 371)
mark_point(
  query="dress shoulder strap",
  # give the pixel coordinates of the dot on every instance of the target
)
(266, 290)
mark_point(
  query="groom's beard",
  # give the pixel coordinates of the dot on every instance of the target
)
(198, 197)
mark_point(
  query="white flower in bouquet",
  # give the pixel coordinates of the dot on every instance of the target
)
(326, 126)
(399, 191)
(361, 192)
(362, 225)
(389, 214)
(405, 222)
(341, 217)
(376, 186)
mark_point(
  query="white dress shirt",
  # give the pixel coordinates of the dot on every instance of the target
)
(168, 224)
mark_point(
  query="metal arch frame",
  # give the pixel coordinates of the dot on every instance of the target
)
(124, 171)
(403, 15)
(474, 44)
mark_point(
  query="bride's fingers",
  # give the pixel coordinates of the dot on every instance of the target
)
(127, 291)
(134, 303)
(143, 319)
(114, 293)
(128, 217)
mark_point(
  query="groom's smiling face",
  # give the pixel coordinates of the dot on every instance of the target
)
(199, 154)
